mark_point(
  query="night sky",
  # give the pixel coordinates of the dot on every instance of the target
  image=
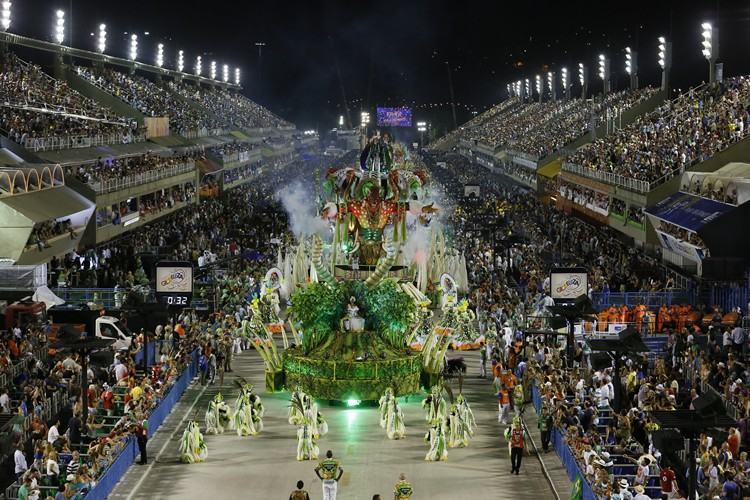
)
(392, 53)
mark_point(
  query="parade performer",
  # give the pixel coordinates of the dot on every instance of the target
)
(329, 471)
(296, 407)
(192, 446)
(403, 489)
(466, 414)
(458, 431)
(217, 415)
(395, 421)
(384, 403)
(434, 406)
(436, 438)
(317, 422)
(256, 415)
(306, 447)
(242, 417)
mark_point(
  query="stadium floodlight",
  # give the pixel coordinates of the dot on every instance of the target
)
(550, 81)
(341, 120)
(5, 15)
(507, 87)
(101, 44)
(225, 73)
(708, 35)
(160, 55)
(133, 47)
(213, 70)
(604, 72)
(527, 88)
(628, 61)
(364, 118)
(198, 65)
(581, 74)
(236, 76)
(180, 61)
(60, 26)
(665, 61)
(538, 84)
(519, 87)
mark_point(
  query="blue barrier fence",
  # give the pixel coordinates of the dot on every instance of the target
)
(600, 300)
(564, 452)
(125, 459)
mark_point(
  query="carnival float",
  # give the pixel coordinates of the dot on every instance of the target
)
(370, 308)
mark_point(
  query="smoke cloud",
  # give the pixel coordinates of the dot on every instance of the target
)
(299, 202)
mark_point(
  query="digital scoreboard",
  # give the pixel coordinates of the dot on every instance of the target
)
(174, 283)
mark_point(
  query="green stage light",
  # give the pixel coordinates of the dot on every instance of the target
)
(352, 402)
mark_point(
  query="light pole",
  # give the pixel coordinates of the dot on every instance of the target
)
(551, 85)
(181, 61)
(710, 48)
(5, 15)
(133, 47)
(538, 82)
(198, 66)
(564, 82)
(59, 26)
(631, 67)
(665, 62)
(583, 77)
(236, 76)
(422, 128)
(604, 72)
(101, 44)
(160, 55)
(527, 90)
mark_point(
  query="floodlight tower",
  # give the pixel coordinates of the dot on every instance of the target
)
(133, 47)
(509, 90)
(59, 26)
(665, 62)
(711, 49)
(236, 76)
(604, 73)
(160, 55)
(422, 128)
(551, 85)
(225, 73)
(519, 88)
(181, 61)
(565, 83)
(198, 66)
(101, 42)
(213, 70)
(583, 78)
(631, 67)
(5, 15)
(527, 90)
(539, 87)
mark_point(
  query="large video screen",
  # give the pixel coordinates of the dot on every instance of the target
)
(174, 278)
(567, 284)
(394, 117)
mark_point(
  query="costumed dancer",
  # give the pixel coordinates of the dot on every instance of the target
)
(306, 447)
(217, 415)
(257, 412)
(434, 405)
(317, 422)
(296, 407)
(242, 415)
(385, 401)
(438, 445)
(458, 431)
(192, 446)
(466, 414)
(395, 421)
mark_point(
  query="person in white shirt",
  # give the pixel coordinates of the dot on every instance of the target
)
(4, 401)
(53, 434)
(121, 371)
(20, 462)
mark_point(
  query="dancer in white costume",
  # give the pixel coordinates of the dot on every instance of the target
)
(434, 406)
(466, 414)
(218, 415)
(296, 407)
(395, 420)
(458, 431)
(384, 402)
(437, 441)
(318, 424)
(256, 414)
(192, 446)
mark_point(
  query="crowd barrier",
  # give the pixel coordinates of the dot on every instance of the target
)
(557, 440)
(117, 469)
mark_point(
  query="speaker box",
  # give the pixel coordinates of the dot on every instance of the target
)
(709, 404)
(669, 439)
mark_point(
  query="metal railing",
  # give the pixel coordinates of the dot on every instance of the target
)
(107, 297)
(628, 183)
(56, 143)
(601, 300)
(112, 185)
(203, 132)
